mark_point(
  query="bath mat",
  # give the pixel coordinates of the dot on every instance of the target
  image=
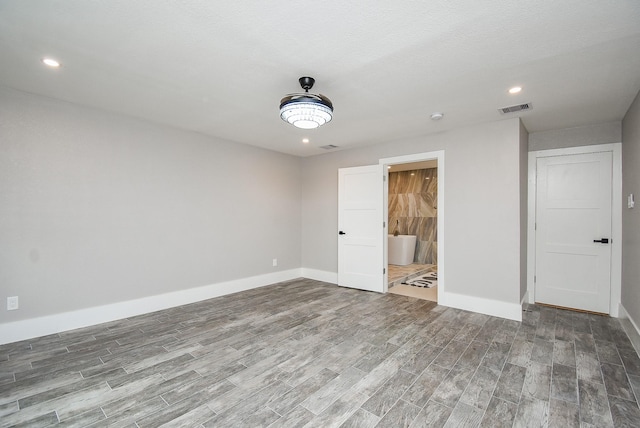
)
(429, 280)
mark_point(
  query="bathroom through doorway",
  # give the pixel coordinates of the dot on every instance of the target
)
(412, 235)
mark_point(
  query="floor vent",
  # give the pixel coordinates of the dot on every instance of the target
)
(513, 109)
(329, 147)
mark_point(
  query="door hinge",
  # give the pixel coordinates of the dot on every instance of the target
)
(534, 278)
(384, 178)
(384, 224)
(535, 226)
(384, 271)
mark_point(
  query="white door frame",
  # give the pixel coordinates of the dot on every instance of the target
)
(418, 157)
(616, 217)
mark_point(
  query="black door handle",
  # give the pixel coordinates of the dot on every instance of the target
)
(341, 233)
(603, 240)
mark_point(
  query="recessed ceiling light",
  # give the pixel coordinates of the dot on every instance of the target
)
(515, 90)
(388, 167)
(437, 116)
(305, 140)
(50, 62)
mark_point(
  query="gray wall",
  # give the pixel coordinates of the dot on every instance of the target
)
(601, 133)
(524, 206)
(631, 217)
(97, 208)
(482, 217)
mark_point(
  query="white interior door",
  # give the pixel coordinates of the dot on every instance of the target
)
(360, 228)
(573, 212)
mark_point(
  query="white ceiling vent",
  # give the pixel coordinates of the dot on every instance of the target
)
(514, 109)
(329, 147)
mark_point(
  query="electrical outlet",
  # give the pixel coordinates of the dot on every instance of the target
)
(275, 262)
(12, 303)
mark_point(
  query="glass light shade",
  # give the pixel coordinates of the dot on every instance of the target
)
(305, 114)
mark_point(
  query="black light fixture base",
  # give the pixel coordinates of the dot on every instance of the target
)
(306, 83)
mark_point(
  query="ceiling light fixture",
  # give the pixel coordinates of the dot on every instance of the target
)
(515, 90)
(51, 62)
(437, 116)
(305, 110)
(305, 140)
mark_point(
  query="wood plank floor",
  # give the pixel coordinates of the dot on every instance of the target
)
(306, 353)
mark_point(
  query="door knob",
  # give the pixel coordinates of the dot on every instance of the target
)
(603, 240)
(341, 233)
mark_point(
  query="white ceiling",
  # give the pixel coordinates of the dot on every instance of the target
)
(221, 68)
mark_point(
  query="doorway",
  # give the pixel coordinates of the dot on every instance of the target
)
(413, 207)
(412, 240)
(575, 228)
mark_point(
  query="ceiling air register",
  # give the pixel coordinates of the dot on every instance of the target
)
(305, 110)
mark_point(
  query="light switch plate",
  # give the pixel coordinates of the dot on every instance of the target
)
(12, 303)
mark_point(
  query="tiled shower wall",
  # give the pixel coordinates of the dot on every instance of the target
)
(413, 198)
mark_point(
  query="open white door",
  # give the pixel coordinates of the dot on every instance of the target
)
(573, 236)
(360, 228)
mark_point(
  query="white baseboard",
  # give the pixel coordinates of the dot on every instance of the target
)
(496, 308)
(320, 275)
(630, 327)
(459, 301)
(51, 324)
(42, 326)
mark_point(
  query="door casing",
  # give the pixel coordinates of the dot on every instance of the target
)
(616, 218)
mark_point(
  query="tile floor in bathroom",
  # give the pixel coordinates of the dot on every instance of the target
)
(399, 274)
